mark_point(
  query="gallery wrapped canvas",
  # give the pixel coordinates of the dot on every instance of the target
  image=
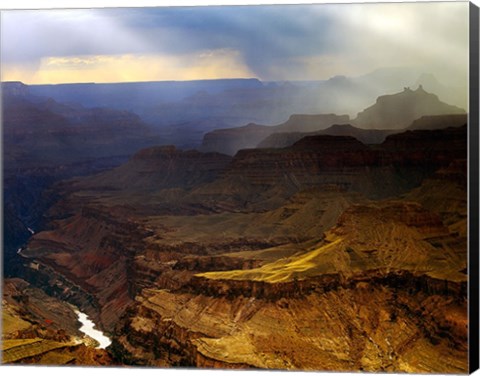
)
(273, 187)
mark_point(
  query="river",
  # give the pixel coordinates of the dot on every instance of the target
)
(88, 328)
(87, 324)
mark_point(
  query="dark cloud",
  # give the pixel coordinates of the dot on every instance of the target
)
(270, 31)
(262, 34)
(268, 39)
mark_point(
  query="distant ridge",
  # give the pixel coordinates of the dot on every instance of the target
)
(14, 89)
(230, 140)
(439, 121)
(390, 114)
(161, 167)
(39, 131)
(135, 94)
(397, 111)
(367, 136)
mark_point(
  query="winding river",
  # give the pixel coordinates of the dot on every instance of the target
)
(88, 328)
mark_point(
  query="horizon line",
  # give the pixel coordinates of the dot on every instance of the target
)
(173, 80)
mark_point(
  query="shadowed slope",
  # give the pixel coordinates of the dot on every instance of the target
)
(399, 110)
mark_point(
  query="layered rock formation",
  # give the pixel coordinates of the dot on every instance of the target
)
(39, 329)
(338, 331)
(267, 260)
(399, 163)
(46, 141)
(366, 136)
(413, 281)
(448, 143)
(39, 131)
(88, 260)
(388, 115)
(163, 167)
(229, 141)
(439, 121)
(399, 110)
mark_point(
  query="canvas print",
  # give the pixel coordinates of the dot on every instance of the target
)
(276, 187)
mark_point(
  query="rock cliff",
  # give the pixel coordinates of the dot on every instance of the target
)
(39, 329)
(397, 111)
(400, 163)
(268, 259)
(229, 141)
(162, 167)
(366, 136)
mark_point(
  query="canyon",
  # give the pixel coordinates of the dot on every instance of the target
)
(324, 247)
(395, 112)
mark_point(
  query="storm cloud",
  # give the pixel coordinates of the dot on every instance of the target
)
(283, 42)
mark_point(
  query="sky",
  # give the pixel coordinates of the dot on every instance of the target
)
(272, 43)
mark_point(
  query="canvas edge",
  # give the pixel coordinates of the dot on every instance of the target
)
(474, 189)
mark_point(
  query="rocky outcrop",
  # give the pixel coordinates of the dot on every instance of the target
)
(181, 329)
(445, 193)
(90, 257)
(366, 136)
(390, 112)
(410, 214)
(330, 144)
(395, 257)
(311, 160)
(161, 167)
(37, 307)
(405, 280)
(15, 88)
(406, 158)
(310, 123)
(39, 329)
(446, 143)
(439, 122)
(229, 141)
(220, 262)
(277, 258)
(391, 236)
(41, 132)
(211, 286)
(399, 110)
